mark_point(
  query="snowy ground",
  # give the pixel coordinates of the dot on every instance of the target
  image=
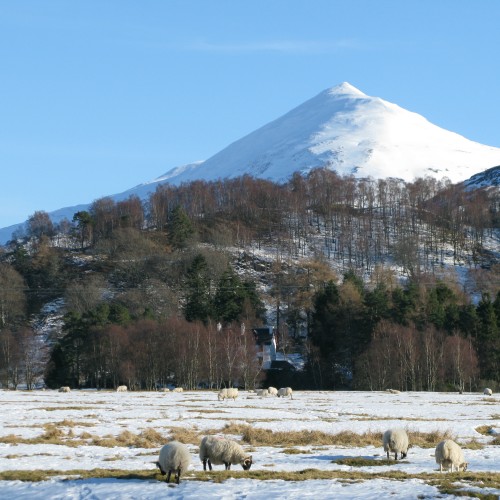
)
(108, 413)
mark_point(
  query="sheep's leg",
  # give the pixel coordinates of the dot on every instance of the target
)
(178, 475)
(396, 456)
(204, 464)
(168, 476)
(388, 456)
(227, 465)
(441, 467)
(209, 464)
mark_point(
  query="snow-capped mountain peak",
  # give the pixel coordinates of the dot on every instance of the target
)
(345, 130)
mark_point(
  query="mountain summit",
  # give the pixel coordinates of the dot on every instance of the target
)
(345, 130)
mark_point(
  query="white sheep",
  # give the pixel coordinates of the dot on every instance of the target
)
(178, 389)
(121, 388)
(450, 455)
(65, 388)
(487, 392)
(164, 389)
(393, 391)
(272, 391)
(174, 457)
(229, 393)
(263, 393)
(396, 441)
(218, 451)
(285, 391)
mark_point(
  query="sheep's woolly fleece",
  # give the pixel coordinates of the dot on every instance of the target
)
(109, 413)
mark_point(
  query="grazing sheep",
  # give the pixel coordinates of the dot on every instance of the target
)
(178, 389)
(263, 393)
(396, 441)
(272, 391)
(121, 388)
(230, 393)
(285, 391)
(393, 391)
(217, 451)
(64, 389)
(487, 392)
(164, 389)
(174, 457)
(450, 455)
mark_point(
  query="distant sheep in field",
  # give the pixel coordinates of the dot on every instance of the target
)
(263, 393)
(174, 457)
(272, 391)
(218, 451)
(178, 389)
(164, 389)
(450, 456)
(393, 391)
(65, 389)
(229, 393)
(284, 392)
(396, 441)
(487, 392)
(121, 388)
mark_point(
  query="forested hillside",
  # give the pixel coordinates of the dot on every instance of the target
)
(375, 283)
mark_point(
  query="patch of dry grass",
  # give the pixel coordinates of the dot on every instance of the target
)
(295, 451)
(185, 435)
(149, 438)
(362, 462)
(428, 439)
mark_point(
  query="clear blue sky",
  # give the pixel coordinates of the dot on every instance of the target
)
(97, 96)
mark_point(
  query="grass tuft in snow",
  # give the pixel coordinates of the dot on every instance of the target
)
(363, 462)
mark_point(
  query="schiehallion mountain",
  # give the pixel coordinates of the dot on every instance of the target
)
(347, 131)
(341, 129)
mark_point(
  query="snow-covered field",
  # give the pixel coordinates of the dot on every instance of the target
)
(87, 415)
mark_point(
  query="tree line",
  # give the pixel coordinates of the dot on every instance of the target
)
(187, 259)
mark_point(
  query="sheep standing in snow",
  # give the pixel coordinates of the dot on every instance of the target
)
(487, 392)
(178, 389)
(272, 391)
(450, 455)
(64, 389)
(230, 393)
(218, 451)
(174, 457)
(396, 441)
(284, 392)
(263, 393)
(121, 388)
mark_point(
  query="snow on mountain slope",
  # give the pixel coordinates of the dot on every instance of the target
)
(341, 129)
(349, 132)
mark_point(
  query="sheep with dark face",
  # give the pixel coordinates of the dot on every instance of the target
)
(174, 457)
(396, 441)
(218, 451)
(487, 392)
(449, 455)
(65, 388)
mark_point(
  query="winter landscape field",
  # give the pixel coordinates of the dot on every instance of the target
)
(103, 444)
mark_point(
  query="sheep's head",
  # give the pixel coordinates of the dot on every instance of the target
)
(247, 463)
(463, 466)
(159, 467)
